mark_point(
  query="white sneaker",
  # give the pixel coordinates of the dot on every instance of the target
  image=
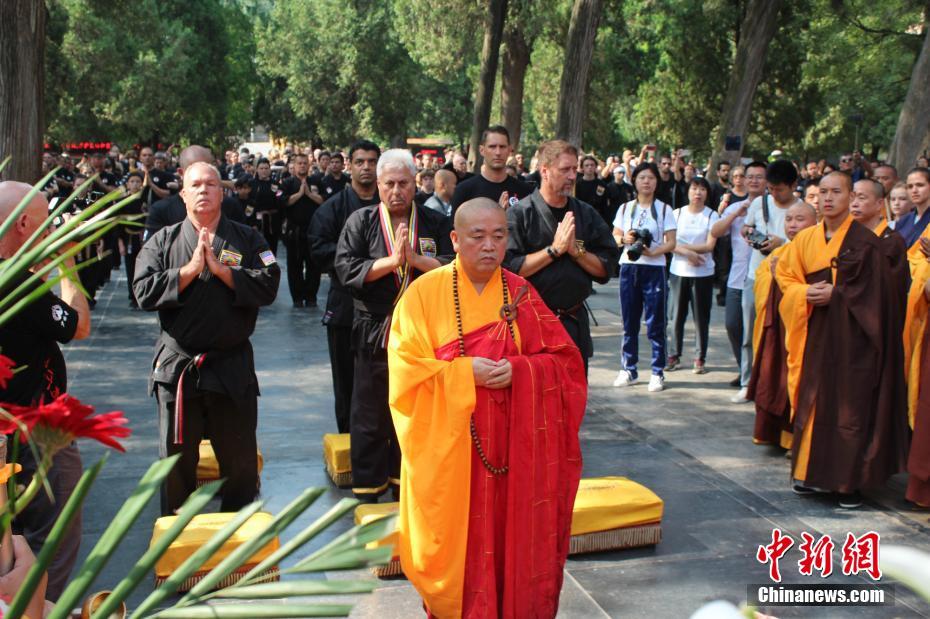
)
(656, 383)
(625, 378)
(740, 397)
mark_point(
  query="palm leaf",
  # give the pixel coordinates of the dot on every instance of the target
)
(354, 538)
(252, 611)
(297, 587)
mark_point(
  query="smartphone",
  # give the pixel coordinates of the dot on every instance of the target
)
(651, 147)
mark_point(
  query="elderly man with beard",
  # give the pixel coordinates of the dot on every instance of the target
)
(561, 244)
(206, 276)
(493, 182)
(325, 228)
(381, 249)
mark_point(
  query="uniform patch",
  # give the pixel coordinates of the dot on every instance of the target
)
(428, 247)
(267, 258)
(230, 258)
(59, 314)
(600, 190)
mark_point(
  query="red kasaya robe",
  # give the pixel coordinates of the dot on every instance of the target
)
(472, 543)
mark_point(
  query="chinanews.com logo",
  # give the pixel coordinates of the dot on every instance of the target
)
(858, 558)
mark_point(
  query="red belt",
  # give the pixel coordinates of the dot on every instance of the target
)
(197, 362)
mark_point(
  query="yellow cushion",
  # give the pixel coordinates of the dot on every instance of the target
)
(209, 468)
(605, 503)
(368, 512)
(337, 453)
(201, 529)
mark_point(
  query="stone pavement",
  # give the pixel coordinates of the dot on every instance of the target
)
(723, 495)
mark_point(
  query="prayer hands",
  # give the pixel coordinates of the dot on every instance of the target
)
(206, 247)
(504, 200)
(564, 240)
(401, 247)
(819, 294)
(492, 374)
(195, 265)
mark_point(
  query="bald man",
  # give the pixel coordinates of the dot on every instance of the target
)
(491, 454)
(444, 187)
(206, 276)
(171, 210)
(31, 340)
(868, 204)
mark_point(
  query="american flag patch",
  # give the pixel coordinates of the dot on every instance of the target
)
(267, 257)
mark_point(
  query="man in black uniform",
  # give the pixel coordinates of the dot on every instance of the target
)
(31, 340)
(302, 197)
(325, 227)
(171, 210)
(207, 276)
(560, 244)
(592, 190)
(382, 248)
(493, 182)
(334, 181)
(619, 192)
(267, 206)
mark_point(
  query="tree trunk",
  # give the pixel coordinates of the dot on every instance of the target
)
(914, 120)
(22, 87)
(586, 14)
(515, 61)
(756, 32)
(490, 52)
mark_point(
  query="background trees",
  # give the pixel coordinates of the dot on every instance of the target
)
(835, 75)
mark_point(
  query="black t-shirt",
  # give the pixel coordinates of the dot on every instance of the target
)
(558, 213)
(480, 187)
(31, 339)
(330, 185)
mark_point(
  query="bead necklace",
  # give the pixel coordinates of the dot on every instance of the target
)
(508, 313)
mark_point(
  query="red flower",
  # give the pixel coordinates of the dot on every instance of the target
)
(54, 425)
(6, 370)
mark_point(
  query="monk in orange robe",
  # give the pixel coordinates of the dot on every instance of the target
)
(917, 371)
(843, 307)
(487, 393)
(768, 384)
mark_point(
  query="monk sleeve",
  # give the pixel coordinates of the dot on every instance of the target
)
(790, 276)
(914, 326)
(431, 403)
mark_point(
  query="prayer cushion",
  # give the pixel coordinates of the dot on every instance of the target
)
(612, 513)
(337, 456)
(196, 534)
(367, 512)
(208, 469)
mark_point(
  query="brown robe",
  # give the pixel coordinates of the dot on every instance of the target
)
(853, 367)
(768, 384)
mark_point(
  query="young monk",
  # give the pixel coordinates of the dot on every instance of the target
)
(768, 386)
(843, 309)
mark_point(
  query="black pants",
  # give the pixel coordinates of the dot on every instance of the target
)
(271, 230)
(698, 292)
(303, 276)
(36, 521)
(723, 260)
(230, 424)
(133, 243)
(375, 451)
(342, 362)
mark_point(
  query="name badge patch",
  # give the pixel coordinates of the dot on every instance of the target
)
(267, 258)
(428, 247)
(230, 258)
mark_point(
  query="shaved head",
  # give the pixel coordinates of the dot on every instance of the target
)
(844, 177)
(202, 165)
(799, 216)
(11, 194)
(477, 209)
(194, 153)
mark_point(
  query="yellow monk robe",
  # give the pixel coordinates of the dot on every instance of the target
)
(881, 227)
(766, 386)
(918, 399)
(845, 373)
(444, 536)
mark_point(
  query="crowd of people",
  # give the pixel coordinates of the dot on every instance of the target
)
(821, 270)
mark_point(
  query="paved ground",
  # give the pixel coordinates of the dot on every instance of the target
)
(723, 495)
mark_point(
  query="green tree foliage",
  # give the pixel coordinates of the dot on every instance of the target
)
(147, 70)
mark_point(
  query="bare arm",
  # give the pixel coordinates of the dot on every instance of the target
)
(71, 295)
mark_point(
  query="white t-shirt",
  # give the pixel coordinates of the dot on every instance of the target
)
(742, 252)
(775, 227)
(633, 216)
(693, 229)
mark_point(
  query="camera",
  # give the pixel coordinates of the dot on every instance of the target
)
(756, 240)
(643, 240)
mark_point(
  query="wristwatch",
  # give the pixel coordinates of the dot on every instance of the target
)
(552, 253)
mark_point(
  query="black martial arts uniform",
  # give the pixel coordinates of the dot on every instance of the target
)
(303, 275)
(594, 192)
(265, 197)
(325, 227)
(375, 452)
(204, 346)
(563, 284)
(131, 235)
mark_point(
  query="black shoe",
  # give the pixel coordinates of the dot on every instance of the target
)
(851, 500)
(298, 304)
(735, 382)
(367, 499)
(803, 490)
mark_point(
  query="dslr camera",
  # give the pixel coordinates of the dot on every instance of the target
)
(756, 240)
(643, 240)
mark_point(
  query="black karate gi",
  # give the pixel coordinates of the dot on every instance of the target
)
(325, 227)
(207, 318)
(303, 275)
(268, 207)
(131, 235)
(563, 285)
(375, 452)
